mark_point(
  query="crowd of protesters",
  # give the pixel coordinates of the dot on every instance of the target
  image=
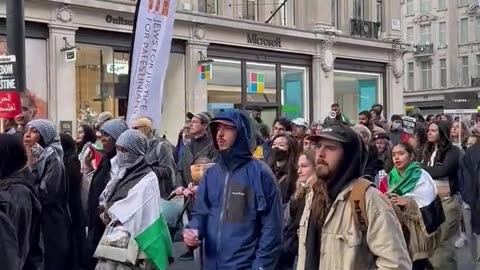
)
(330, 195)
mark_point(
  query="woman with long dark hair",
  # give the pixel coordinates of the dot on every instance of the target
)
(85, 141)
(283, 162)
(441, 161)
(418, 140)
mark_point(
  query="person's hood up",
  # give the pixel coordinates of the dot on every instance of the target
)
(240, 152)
(355, 155)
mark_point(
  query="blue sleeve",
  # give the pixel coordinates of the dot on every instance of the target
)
(270, 243)
(201, 209)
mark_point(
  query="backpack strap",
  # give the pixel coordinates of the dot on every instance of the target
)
(357, 201)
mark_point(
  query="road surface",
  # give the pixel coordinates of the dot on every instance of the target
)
(178, 249)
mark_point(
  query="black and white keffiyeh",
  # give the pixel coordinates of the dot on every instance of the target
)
(114, 128)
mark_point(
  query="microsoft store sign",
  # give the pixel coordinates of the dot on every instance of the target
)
(118, 68)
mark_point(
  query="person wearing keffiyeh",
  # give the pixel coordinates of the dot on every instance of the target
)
(414, 195)
(110, 132)
(45, 161)
(130, 200)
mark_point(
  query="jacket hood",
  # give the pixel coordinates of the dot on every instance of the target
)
(355, 156)
(240, 152)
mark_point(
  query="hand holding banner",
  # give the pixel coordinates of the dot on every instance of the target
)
(153, 31)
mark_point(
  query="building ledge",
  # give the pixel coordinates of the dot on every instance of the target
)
(440, 91)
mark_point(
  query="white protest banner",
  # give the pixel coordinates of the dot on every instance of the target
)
(153, 30)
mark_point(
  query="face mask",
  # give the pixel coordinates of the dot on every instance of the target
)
(126, 159)
(396, 126)
(279, 154)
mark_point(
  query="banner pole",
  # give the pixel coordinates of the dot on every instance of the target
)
(2, 126)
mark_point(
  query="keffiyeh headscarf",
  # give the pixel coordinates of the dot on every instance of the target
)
(114, 128)
(136, 145)
(46, 129)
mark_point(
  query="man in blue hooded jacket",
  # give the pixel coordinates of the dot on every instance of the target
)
(238, 211)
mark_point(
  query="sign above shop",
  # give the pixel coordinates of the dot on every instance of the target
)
(262, 41)
(206, 72)
(257, 83)
(118, 20)
(117, 68)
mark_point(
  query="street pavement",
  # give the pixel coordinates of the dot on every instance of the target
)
(178, 249)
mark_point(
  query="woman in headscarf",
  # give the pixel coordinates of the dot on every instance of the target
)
(441, 161)
(74, 180)
(19, 207)
(45, 160)
(130, 200)
(283, 162)
(110, 131)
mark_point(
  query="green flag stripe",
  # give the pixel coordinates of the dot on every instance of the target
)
(156, 242)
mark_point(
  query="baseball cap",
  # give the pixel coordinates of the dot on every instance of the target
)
(203, 116)
(300, 122)
(335, 132)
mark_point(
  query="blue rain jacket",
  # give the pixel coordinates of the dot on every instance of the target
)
(238, 209)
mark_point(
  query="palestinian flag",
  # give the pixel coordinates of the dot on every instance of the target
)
(424, 193)
(141, 214)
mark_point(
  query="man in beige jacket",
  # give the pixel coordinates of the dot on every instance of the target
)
(330, 236)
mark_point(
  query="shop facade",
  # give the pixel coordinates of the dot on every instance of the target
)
(284, 71)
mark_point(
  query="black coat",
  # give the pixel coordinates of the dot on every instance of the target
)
(22, 210)
(94, 223)
(290, 234)
(74, 180)
(50, 182)
(470, 173)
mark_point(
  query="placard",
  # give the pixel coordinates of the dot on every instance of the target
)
(7, 73)
(408, 124)
(10, 105)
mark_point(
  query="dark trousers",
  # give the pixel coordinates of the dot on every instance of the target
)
(423, 264)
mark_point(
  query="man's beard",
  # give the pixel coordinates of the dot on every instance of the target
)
(323, 171)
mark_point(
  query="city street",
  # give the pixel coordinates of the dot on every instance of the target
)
(178, 249)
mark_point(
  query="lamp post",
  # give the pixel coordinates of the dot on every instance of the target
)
(16, 39)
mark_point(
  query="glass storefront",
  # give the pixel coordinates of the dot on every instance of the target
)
(102, 84)
(274, 87)
(357, 91)
(102, 79)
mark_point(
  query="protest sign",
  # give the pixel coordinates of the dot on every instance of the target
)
(10, 105)
(408, 124)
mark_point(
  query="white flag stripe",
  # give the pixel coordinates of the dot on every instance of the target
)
(425, 191)
(141, 208)
(150, 54)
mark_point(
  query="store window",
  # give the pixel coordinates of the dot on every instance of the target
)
(356, 91)
(225, 86)
(294, 91)
(36, 70)
(274, 87)
(102, 79)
